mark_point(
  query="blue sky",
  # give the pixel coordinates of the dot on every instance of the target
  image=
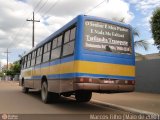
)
(16, 33)
(141, 23)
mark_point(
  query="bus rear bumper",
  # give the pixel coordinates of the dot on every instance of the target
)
(104, 87)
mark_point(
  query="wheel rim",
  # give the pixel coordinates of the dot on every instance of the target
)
(44, 91)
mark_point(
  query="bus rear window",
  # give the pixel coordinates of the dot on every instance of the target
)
(100, 36)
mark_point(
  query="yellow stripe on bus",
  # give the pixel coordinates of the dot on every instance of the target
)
(105, 68)
(85, 67)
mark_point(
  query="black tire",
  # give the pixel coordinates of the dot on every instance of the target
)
(83, 96)
(46, 96)
(25, 89)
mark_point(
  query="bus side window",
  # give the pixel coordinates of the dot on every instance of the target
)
(33, 58)
(46, 53)
(56, 53)
(73, 34)
(22, 65)
(68, 47)
(56, 48)
(54, 43)
(45, 48)
(39, 55)
(66, 36)
(25, 62)
(59, 41)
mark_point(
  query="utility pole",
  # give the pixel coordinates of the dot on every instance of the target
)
(7, 52)
(33, 20)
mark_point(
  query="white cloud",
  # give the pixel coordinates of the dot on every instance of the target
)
(114, 9)
(16, 32)
(146, 8)
(150, 41)
(3, 62)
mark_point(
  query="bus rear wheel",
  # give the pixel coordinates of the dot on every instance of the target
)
(25, 89)
(83, 96)
(46, 96)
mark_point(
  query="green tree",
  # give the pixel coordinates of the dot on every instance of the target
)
(15, 68)
(155, 27)
(1, 74)
(9, 73)
(140, 43)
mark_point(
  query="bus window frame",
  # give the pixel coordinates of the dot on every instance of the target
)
(29, 60)
(34, 57)
(73, 40)
(57, 46)
(25, 61)
(49, 46)
(39, 54)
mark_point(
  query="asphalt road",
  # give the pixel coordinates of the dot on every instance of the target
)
(13, 101)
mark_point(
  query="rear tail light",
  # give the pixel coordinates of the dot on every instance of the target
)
(90, 79)
(81, 79)
(106, 81)
(85, 80)
(131, 82)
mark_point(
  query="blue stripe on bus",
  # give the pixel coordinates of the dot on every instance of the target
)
(104, 76)
(106, 59)
(37, 77)
(55, 62)
(57, 76)
(67, 59)
(72, 75)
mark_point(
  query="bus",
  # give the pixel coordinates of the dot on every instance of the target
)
(88, 54)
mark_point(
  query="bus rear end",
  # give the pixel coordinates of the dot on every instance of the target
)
(105, 60)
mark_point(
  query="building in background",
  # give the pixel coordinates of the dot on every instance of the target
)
(147, 73)
(148, 57)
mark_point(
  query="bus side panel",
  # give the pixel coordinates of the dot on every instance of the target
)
(96, 64)
(53, 77)
(27, 75)
(66, 76)
(54, 85)
(37, 77)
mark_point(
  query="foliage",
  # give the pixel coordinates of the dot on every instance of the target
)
(15, 69)
(140, 43)
(1, 74)
(9, 73)
(155, 27)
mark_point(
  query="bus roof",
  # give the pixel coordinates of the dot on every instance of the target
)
(73, 21)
